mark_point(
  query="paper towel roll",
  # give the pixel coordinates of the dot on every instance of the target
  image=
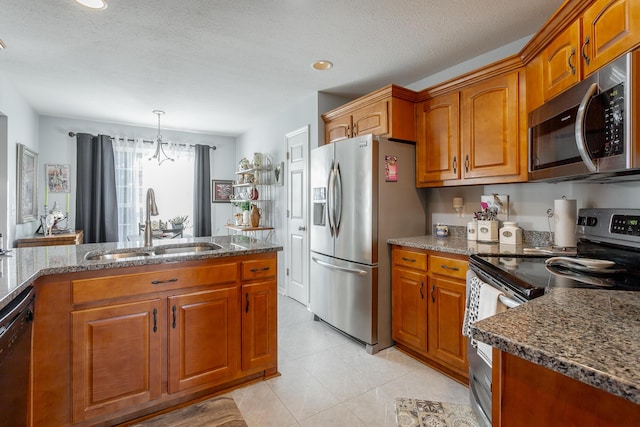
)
(566, 215)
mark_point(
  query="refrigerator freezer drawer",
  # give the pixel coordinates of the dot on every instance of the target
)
(344, 294)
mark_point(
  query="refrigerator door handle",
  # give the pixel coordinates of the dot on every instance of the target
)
(338, 197)
(339, 268)
(330, 201)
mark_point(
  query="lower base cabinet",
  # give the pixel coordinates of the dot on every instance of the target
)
(529, 395)
(428, 293)
(146, 338)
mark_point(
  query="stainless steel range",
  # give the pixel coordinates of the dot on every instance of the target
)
(608, 258)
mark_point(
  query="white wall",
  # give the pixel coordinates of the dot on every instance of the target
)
(18, 124)
(56, 147)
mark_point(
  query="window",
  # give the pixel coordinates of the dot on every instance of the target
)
(172, 183)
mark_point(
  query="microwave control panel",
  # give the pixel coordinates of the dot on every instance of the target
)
(612, 102)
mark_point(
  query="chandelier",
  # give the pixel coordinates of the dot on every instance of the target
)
(160, 155)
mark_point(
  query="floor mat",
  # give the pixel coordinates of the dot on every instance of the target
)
(424, 413)
(215, 412)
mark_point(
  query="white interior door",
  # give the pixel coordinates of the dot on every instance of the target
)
(297, 260)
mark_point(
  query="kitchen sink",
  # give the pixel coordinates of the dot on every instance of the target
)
(188, 248)
(116, 255)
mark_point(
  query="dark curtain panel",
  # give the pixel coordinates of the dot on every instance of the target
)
(202, 192)
(96, 203)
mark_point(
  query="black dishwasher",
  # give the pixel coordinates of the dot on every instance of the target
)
(15, 358)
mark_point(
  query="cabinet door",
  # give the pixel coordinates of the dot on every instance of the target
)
(117, 360)
(438, 145)
(561, 64)
(371, 119)
(446, 314)
(610, 28)
(259, 326)
(409, 308)
(204, 338)
(490, 127)
(338, 129)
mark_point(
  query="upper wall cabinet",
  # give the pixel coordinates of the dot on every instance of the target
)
(474, 135)
(603, 31)
(388, 112)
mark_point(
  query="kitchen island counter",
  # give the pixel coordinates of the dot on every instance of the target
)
(588, 335)
(21, 267)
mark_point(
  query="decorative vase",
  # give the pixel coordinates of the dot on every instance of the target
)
(255, 216)
(257, 160)
(246, 217)
(238, 218)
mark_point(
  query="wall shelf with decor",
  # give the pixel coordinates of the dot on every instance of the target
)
(253, 187)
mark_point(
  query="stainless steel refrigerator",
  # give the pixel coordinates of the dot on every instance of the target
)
(364, 192)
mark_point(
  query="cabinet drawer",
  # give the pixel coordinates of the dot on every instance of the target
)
(258, 269)
(449, 267)
(410, 259)
(87, 290)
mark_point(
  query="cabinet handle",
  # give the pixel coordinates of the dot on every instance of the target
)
(173, 324)
(446, 267)
(455, 164)
(408, 259)
(433, 290)
(246, 308)
(573, 53)
(421, 287)
(466, 163)
(158, 282)
(584, 54)
(355, 129)
(155, 320)
(255, 270)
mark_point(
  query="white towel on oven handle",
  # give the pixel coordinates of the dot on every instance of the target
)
(488, 306)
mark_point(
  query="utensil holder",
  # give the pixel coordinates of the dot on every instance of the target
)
(488, 231)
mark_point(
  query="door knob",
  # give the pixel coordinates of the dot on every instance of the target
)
(302, 228)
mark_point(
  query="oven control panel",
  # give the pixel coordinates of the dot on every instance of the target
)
(625, 224)
(617, 226)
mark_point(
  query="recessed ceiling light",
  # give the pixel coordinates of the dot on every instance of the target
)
(94, 4)
(322, 65)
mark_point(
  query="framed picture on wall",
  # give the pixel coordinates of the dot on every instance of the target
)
(27, 179)
(278, 174)
(221, 190)
(57, 178)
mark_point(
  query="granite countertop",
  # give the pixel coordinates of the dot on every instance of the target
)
(22, 266)
(590, 335)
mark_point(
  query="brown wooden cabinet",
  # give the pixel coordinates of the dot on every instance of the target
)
(438, 145)
(117, 358)
(476, 135)
(566, 401)
(603, 31)
(142, 339)
(387, 111)
(204, 343)
(428, 301)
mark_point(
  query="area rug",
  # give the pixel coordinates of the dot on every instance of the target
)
(215, 412)
(424, 413)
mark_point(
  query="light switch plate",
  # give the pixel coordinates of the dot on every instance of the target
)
(500, 202)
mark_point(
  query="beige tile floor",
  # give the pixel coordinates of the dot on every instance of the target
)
(329, 380)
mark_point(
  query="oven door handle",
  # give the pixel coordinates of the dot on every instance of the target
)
(510, 303)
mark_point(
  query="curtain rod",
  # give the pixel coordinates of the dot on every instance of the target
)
(145, 141)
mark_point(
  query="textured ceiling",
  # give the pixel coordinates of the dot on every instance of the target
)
(218, 66)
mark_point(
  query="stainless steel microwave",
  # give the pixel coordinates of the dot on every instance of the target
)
(588, 131)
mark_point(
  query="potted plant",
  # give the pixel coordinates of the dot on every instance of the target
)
(179, 222)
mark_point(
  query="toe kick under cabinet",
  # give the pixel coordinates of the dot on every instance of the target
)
(133, 341)
(428, 301)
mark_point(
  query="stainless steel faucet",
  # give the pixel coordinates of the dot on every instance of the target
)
(151, 209)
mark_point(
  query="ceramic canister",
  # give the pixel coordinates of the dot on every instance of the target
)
(472, 230)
